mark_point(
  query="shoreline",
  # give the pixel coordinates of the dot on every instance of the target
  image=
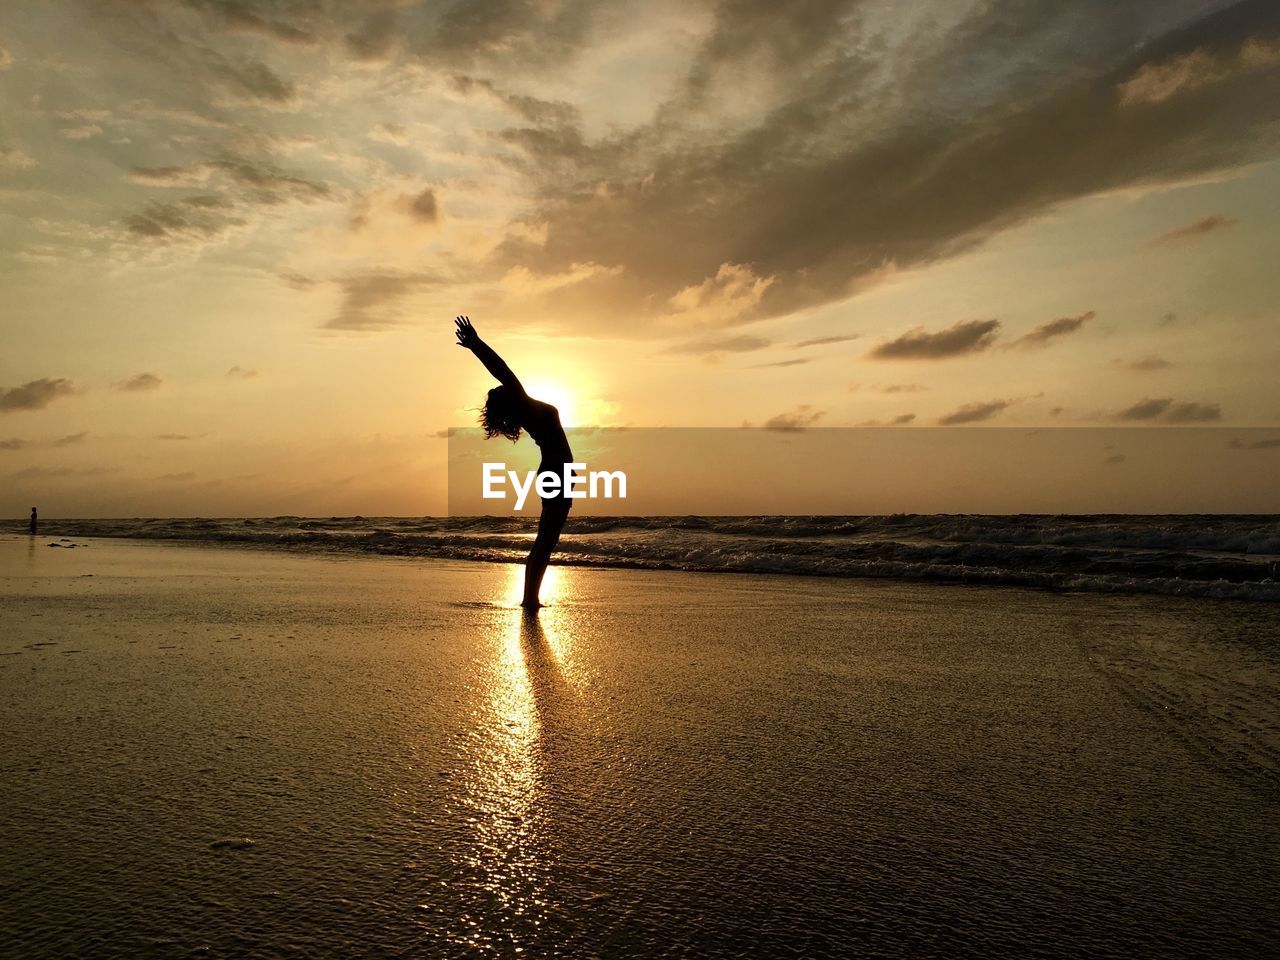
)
(1202, 573)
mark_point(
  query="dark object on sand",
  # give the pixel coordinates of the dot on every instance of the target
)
(34, 521)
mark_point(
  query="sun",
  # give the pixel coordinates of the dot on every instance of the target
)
(558, 396)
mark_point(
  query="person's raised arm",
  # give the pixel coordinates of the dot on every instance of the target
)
(467, 337)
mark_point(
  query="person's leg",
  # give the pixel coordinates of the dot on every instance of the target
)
(550, 523)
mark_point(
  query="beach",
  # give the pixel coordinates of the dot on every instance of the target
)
(227, 751)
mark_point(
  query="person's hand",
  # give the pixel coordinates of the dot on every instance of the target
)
(467, 336)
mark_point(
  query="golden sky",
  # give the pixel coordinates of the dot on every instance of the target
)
(234, 233)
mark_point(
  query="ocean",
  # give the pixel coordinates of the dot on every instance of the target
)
(1209, 556)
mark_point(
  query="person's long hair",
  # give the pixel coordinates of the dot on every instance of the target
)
(500, 414)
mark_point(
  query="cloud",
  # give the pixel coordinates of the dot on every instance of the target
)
(975, 412)
(1115, 458)
(375, 39)
(6, 58)
(1180, 75)
(178, 436)
(14, 443)
(140, 383)
(239, 188)
(182, 477)
(824, 341)
(720, 299)
(374, 301)
(1270, 443)
(794, 421)
(424, 207)
(190, 218)
(71, 439)
(712, 348)
(35, 394)
(899, 421)
(1145, 364)
(256, 81)
(799, 361)
(902, 388)
(1198, 228)
(1170, 411)
(240, 373)
(15, 159)
(816, 187)
(1042, 334)
(965, 336)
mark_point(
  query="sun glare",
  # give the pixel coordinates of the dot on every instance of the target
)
(559, 397)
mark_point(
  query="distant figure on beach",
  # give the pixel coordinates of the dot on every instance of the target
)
(508, 410)
(34, 521)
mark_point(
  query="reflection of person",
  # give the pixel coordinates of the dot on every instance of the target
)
(508, 410)
(34, 521)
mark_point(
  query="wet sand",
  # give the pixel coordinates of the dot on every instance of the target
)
(231, 752)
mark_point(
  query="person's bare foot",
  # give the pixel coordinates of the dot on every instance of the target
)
(530, 606)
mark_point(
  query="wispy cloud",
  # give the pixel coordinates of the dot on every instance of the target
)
(1145, 364)
(1199, 228)
(35, 394)
(140, 383)
(1167, 410)
(975, 412)
(966, 336)
(793, 421)
(1052, 330)
(825, 341)
(374, 301)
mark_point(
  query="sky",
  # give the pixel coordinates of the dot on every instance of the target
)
(234, 233)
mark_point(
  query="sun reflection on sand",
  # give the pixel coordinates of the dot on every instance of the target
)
(511, 856)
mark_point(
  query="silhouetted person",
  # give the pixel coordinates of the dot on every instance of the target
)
(34, 521)
(508, 410)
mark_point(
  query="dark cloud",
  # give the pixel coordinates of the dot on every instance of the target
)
(181, 220)
(965, 336)
(1270, 443)
(178, 436)
(35, 394)
(974, 412)
(240, 17)
(1145, 409)
(799, 361)
(824, 341)
(1042, 334)
(240, 373)
(375, 39)
(902, 388)
(71, 439)
(255, 80)
(846, 173)
(734, 344)
(1115, 458)
(1167, 410)
(14, 443)
(1193, 413)
(1199, 228)
(423, 207)
(374, 301)
(140, 383)
(899, 421)
(178, 477)
(245, 185)
(795, 420)
(1145, 364)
